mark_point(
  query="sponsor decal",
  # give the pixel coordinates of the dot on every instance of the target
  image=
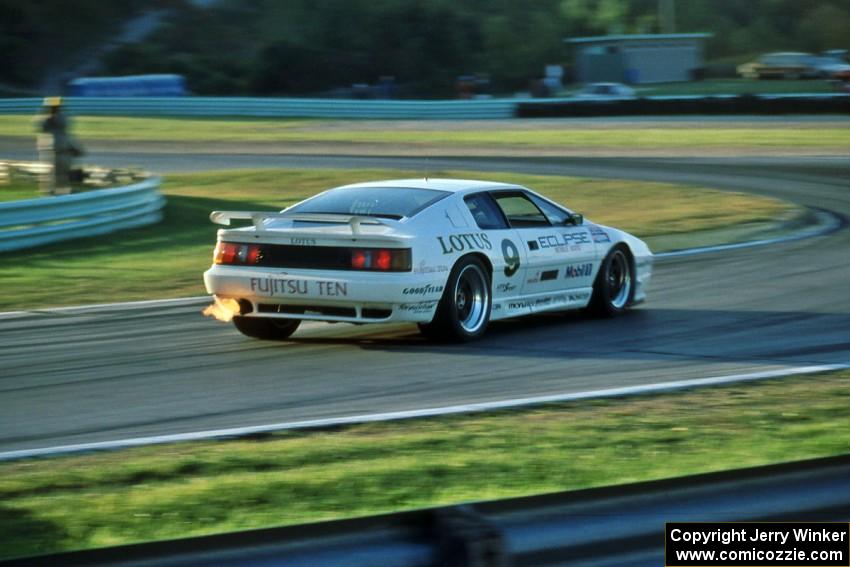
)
(599, 235)
(423, 290)
(565, 241)
(302, 241)
(332, 288)
(511, 255)
(549, 300)
(578, 271)
(279, 286)
(505, 287)
(276, 286)
(423, 268)
(549, 275)
(420, 307)
(464, 242)
(535, 278)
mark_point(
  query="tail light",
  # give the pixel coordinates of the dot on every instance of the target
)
(381, 259)
(236, 253)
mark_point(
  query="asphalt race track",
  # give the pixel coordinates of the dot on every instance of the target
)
(114, 374)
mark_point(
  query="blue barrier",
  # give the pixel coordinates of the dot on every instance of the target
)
(273, 107)
(36, 222)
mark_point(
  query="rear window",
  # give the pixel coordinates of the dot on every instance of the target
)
(386, 202)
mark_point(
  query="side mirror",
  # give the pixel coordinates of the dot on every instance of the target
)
(575, 219)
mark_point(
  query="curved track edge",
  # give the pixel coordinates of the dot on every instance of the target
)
(515, 403)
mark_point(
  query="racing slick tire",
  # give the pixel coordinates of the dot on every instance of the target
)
(613, 289)
(464, 310)
(266, 327)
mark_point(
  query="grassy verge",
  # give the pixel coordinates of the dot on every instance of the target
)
(18, 189)
(199, 488)
(167, 260)
(421, 135)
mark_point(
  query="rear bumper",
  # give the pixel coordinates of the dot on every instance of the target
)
(349, 296)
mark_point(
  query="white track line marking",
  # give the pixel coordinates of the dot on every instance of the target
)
(826, 224)
(412, 414)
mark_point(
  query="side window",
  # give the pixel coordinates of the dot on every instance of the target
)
(485, 212)
(556, 215)
(520, 211)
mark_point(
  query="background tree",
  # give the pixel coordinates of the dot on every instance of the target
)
(299, 47)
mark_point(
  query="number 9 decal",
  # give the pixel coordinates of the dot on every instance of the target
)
(511, 254)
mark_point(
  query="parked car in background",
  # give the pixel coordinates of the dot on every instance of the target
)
(840, 54)
(828, 67)
(787, 65)
(606, 91)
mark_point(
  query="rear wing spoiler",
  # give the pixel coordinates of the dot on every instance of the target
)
(258, 218)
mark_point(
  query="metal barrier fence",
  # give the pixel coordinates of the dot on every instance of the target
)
(436, 109)
(36, 222)
(273, 107)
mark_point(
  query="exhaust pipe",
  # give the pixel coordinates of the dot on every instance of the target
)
(245, 306)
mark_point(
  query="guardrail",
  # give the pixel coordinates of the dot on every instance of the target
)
(36, 222)
(273, 107)
(620, 525)
(436, 109)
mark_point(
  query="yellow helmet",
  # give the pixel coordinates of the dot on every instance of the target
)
(53, 101)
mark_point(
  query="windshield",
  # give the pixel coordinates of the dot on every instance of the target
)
(387, 202)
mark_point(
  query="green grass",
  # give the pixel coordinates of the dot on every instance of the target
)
(426, 137)
(18, 189)
(738, 86)
(167, 260)
(199, 488)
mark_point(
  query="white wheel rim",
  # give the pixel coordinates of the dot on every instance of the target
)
(472, 298)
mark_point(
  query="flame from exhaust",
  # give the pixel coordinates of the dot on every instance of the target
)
(223, 309)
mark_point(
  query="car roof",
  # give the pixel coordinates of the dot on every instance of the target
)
(450, 185)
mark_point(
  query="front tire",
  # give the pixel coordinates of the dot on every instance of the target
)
(464, 310)
(266, 328)
(613, 289)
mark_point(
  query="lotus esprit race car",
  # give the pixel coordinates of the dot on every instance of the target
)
(450, 255)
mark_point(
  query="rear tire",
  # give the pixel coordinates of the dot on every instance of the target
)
(464, 310)
(266, 328)
(614, 288)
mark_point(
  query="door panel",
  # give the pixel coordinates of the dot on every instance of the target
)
(507, 255)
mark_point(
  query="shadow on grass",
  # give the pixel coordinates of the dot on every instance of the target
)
(23, 535)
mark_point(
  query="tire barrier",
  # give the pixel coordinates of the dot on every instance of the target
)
(705, 105)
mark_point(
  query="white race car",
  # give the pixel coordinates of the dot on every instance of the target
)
(448, 254)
